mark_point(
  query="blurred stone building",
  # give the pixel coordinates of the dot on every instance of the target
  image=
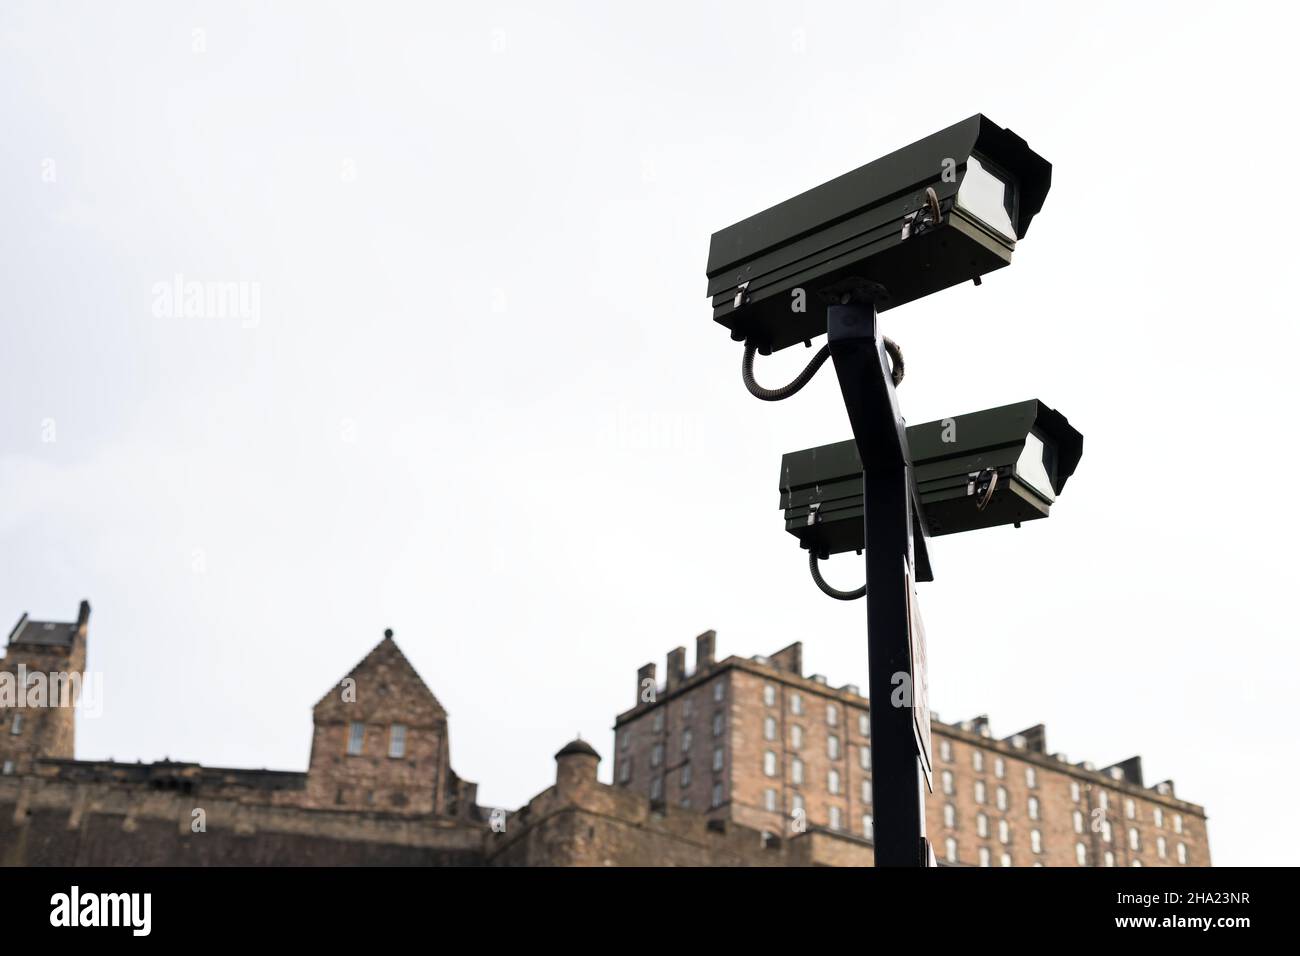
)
(738, 762)
(754, 742)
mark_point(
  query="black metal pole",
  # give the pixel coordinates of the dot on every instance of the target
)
(862, 367)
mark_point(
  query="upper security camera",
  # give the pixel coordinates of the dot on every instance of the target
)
(946, 209)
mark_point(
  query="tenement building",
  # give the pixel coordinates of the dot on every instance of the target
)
(740, 762)
(755, 742)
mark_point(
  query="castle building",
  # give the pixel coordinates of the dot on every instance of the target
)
(379, 787)
(740, 762)
(37, 651)
(755, 742)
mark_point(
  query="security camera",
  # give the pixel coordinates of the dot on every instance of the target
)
(947, 209)
(988, 468)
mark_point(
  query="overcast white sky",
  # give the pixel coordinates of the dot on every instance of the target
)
(482, 400)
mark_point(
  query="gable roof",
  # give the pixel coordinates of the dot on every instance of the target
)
(43, 633)
(385, 688)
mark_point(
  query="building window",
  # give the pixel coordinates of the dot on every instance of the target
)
(1159, 816)
(717, 758)
(688, 708)
(658, 721)
(717, 795)
(832, 714)
(1104, 797)
(1178, 823)
(1136, 863)
(1034, 810)
(769, 728)
(1130, 808)
(1006, 859)
(686, 740)
(950, 849)
(999, 767)
(717, 724)
(656, 788)
(796, 736)
(769, 799)
(796, 770)
(950, 816)
(1134, 839)
(622, 741)
(864, 725)
(769, 763)
(1004, 831)
(769, 695)
(866, 791)
(796, 703)
(796, 802)
(1080, 854)
(719, 689)
(977, 760)
(981, 825)
(686, 775)
(947, 783)
(981, 793)
(868, 826)
(397, 740)
(1182, 853)
(656, 755)
(625, 771)
(833, 781)
(1002, 798)
(1078, 821)
(1036, 840)
(1031, 778)
(864, 757)
(986, 856)
(945, 751)
(1162, 848)
(1108, 858)
(16, 727)
(685, 802)
(1105, 830)
(1074, 790)
(836, 823)
(356, 737)
(833, 747)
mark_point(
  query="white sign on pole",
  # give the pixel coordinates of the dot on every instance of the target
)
(920, 684)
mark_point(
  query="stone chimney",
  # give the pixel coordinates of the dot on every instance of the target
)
(647, 684)
(789, 659)
(704, 649)
(1035, 739)
(676, 666)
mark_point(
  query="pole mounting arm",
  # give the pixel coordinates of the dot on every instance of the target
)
(866, 379)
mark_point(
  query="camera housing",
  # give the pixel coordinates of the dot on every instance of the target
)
(944, 210)
(1031, 448)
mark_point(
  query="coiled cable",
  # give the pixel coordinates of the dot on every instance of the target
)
(826, 588)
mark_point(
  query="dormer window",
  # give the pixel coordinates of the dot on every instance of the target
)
(356, 738)
(397, 740)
